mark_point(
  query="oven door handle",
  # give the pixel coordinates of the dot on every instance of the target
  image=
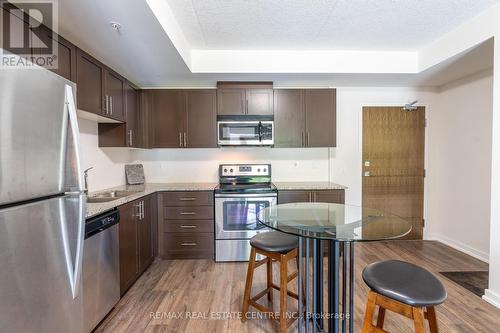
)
(260, 196)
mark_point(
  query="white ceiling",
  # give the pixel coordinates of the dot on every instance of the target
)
(320, 24)
(143, 53)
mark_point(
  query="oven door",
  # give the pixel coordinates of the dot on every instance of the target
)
(236, 214)
(245, 133)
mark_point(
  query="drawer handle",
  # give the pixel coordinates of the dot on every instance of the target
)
(188, 226)
(189, 244)
(187, 199)
(188, 213)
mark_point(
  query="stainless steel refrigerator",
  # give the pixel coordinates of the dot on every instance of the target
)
(42, 204)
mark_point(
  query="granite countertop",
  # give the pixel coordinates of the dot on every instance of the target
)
(149, 188)
(309, 186)
(143, 190)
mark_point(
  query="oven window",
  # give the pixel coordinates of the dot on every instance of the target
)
(240, 132)
(242, 215)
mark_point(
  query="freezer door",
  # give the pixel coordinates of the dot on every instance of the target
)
(37, 155)
(41, 252)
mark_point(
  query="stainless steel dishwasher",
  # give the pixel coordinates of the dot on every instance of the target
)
(101, 268)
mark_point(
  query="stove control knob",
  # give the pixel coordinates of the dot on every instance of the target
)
(225, 170)
(230, 170)
(258, 170)
(265, 170)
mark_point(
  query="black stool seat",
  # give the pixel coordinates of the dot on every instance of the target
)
(274, 241)
(405, 283)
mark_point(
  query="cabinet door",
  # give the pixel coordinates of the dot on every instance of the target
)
(167, 118)
(129, 245)
(201, 119)
(294, 196)
(89, 80)
(231, 101)
(320, 117)
(16, 30)
(289, 118)
(114, 92)
(259, 101)
(330, 196)
(65, 63)
(145, 235)
(132, 116)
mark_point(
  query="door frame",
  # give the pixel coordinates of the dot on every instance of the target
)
(426, 234)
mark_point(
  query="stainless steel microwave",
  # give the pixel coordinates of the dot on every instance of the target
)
(245, 131)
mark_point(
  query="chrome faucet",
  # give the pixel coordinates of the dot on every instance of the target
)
(85, 178)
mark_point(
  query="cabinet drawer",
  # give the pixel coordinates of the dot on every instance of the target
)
(188, 199)
(184, 246)
(189, 213)
(189, 226)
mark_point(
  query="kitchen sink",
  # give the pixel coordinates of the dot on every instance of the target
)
(110, 196)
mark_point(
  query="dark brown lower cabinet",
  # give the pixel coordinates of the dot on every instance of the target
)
(330, 196)
(137, 244)
(186, 225)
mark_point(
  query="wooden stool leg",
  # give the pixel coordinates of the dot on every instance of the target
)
(380, 317)
(270, 279)
(431, 317)
(418, 320)
(370, 309)
(248, 285)
(283, 293)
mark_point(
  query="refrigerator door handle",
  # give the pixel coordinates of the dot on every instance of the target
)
(73, 124)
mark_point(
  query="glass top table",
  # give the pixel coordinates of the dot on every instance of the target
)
(334, 229)
(329, 221)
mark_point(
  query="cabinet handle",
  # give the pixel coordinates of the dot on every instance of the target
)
(185, 139)
(246, 111)
(189, 244)
(142, 210)
(111, 104)
(187, 199)
(314, 195)
(189, 226)
(188, 213)
(302, 139)
(310, 196)
(130, 137)
(307, 138)
(106, 105)
(180, 139)
(138, 210)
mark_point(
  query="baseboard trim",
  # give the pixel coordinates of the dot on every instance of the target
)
(457, 245)
(492, 297)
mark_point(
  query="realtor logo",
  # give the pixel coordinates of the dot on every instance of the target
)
(28, 34)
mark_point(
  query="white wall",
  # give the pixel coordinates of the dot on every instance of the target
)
(108, 163)
(459, 168)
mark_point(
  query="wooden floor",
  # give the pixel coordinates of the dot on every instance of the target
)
(171, 291)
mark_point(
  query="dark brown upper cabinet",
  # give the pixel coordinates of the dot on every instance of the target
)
(305, 118)
(15, 28)
(321, 119)
(244, 98)
(90, 83)
(200, 129)
(182, 118)
(132, 132)
(65, 62)
(114, 95)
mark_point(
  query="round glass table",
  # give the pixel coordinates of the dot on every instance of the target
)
(331, 228)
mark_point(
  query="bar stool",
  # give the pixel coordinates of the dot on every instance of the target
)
(403, 288)
(279, 247)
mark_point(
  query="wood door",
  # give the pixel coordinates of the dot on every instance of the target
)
(89, 80)
(291, 196)
(201, 118)
(145, 232)
(259, 101)
(167, 118)
(132, 116)
(321, 127)
(289, 118)
(114, 84)
(65, 63)
(129, 245)
(393, 163)
(231, 101)
(330, 196)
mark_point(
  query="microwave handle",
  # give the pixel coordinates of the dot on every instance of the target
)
(260, 131)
